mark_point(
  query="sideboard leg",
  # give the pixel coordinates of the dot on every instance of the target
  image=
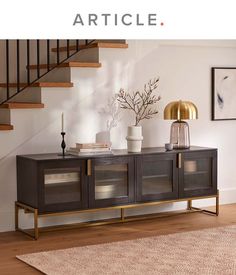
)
(36, 229)
(189, 207)
(217, 204)
(27, 210)
(16, 216)
(122, 214)
(217, 207)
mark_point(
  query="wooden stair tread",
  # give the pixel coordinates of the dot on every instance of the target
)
(6, 127)
(21, 105)
(68, 65)
(39, 84)
(94, 45)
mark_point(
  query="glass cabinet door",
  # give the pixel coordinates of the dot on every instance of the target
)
(156, 178)
(62, 186)
(111, 182)
(197, 175)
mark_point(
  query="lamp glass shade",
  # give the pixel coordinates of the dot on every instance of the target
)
(179, 110)
(179, 135)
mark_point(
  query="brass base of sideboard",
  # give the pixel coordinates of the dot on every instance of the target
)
(34, 233)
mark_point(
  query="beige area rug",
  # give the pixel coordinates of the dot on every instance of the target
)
(209, 251)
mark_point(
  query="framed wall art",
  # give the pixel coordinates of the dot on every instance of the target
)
(223, 93)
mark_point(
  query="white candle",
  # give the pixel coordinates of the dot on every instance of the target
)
(62, 122)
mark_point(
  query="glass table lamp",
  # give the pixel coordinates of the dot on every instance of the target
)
(179, 133)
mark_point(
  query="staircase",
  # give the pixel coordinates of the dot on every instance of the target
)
(29, 64)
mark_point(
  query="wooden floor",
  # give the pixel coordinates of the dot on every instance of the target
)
(12, 243)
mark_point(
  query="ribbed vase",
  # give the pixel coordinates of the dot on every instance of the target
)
(134, 139)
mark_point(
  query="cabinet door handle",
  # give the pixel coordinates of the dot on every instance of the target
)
(179, 160)
(89, 167)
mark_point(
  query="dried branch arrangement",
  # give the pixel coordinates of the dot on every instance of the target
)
(112, 110)
(141, 103)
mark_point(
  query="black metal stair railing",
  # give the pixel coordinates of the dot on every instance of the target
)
(39, 53)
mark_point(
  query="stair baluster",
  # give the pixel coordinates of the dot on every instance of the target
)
(21, 46)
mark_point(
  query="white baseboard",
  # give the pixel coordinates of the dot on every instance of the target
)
(7, 221)
(228, 196)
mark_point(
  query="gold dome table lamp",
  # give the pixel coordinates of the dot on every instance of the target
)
(179, 133)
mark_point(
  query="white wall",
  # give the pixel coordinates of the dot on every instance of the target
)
(184, 70)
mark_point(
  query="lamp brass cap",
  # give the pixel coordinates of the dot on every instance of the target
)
(179, 110)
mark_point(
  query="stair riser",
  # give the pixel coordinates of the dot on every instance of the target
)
(57, 75)
(2, 94)
(88, 55)
(5, 116)
(28, 95)
(63, 74)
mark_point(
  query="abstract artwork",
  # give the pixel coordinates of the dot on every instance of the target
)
(223, 93)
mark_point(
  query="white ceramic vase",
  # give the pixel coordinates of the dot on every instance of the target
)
(104, 137)
(134, 139)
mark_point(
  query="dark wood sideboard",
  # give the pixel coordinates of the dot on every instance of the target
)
(49, 184)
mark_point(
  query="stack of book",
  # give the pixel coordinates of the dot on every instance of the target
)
(82, 149)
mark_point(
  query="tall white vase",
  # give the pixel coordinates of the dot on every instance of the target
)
(134, 139)
(104, 137)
